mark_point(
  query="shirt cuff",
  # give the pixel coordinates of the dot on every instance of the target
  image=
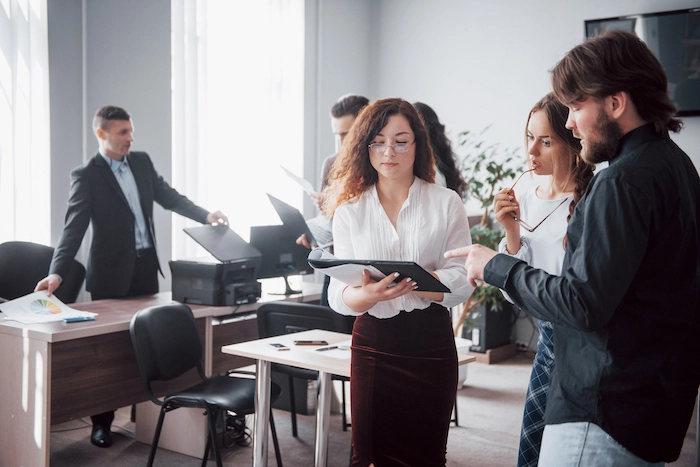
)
(498, 270)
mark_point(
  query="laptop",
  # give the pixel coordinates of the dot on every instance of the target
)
(222, 242)
(318, 230)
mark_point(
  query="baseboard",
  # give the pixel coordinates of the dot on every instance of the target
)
(496, 355)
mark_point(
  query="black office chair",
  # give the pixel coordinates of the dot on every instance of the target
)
(167, 345)
(279, 318)
(23, 264)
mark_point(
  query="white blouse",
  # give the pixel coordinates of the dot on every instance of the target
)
(432, 220)
(543, 248)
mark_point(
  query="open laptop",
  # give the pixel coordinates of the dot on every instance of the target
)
(222, 242)
(318, 230)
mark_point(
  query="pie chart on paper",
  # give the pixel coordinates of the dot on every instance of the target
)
(44, 307)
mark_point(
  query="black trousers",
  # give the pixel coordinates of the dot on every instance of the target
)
(144, 281)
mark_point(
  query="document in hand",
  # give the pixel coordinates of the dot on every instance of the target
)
(349, 271)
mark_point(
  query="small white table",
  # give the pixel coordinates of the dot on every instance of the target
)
(301, 357)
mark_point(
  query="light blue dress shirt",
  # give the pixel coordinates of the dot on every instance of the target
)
(126, 180)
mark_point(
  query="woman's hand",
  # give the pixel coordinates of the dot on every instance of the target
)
(505, 206)
(371, 292)
(434, 296)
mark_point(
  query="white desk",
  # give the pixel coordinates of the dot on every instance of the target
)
(301, 357)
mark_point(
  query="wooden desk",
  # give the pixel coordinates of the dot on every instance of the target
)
(301, 357)
(55, 372)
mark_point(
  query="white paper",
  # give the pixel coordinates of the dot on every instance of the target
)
(350, 274)
(305, 184)
(38, 307)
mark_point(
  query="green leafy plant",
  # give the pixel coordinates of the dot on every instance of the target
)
(486, 168)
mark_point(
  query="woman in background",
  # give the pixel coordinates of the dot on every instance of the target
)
(447, 174)
(535, 226)
(385, 206)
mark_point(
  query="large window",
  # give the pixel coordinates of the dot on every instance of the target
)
(238, 72)
(24, 122)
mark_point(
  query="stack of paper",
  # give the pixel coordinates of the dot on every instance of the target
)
(38, 307)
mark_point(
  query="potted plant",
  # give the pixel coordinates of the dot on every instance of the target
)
(486, 169)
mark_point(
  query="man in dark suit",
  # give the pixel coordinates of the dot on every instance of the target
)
(115, 191)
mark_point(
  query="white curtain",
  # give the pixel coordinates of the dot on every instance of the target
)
(238, 75)
(24, 122)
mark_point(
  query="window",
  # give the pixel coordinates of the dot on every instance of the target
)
(238, 100)
(24, 122)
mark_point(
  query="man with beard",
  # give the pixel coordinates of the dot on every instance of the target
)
(626, 307)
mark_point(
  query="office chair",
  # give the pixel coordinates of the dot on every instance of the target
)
(167, 345)
(23, 264)
(279, 318)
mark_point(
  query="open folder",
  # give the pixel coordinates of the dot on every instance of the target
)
(349, 271)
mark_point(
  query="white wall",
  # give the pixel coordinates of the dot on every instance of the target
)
(480, 62)
(339, 52)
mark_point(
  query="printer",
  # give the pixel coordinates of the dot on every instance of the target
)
(229, 278)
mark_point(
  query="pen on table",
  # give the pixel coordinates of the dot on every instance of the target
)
(327, 348)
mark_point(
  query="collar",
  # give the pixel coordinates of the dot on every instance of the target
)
(635, 138)
(114, 165)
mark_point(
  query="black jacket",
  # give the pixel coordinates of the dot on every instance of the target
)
(97, 198)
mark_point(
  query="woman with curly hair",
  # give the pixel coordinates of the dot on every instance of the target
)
(535, 226)
(385, 206)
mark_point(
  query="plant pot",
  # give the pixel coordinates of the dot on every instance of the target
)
(490, 329)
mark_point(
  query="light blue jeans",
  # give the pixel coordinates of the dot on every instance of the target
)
(584, 444)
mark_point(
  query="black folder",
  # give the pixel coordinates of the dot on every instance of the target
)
(426, 282)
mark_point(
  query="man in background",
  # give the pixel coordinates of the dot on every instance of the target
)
(343, 115)
(114, 191)
(626, 307)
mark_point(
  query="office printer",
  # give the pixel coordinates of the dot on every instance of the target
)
(229, 278)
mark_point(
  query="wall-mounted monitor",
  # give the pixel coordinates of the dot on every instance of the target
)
(674, 37)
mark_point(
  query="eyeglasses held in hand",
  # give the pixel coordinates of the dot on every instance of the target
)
(524, 224)
(379, 148)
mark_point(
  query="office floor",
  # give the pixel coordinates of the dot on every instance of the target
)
(490, 407)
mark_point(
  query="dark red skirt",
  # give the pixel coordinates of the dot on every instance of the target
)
(403, 383)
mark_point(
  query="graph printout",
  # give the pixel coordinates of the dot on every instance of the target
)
(37, 307)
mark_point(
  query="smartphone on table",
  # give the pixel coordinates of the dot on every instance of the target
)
(278, 346)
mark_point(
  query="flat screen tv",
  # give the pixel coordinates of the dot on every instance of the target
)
(674, 37)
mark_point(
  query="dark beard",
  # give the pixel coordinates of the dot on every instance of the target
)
(609, 144)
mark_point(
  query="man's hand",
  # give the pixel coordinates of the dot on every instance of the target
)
(217, 218)
(317, 198)
(302, 240)
(477, 258)
(49, 283)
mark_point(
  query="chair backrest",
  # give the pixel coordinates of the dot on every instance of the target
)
(166, 342)
(23, 264)
(277, 318)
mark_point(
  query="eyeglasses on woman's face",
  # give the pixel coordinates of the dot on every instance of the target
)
(524, 224)
(379, 148)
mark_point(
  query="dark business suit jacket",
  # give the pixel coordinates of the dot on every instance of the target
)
(97, 198)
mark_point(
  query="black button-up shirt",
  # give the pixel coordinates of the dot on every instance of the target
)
(626, 308)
